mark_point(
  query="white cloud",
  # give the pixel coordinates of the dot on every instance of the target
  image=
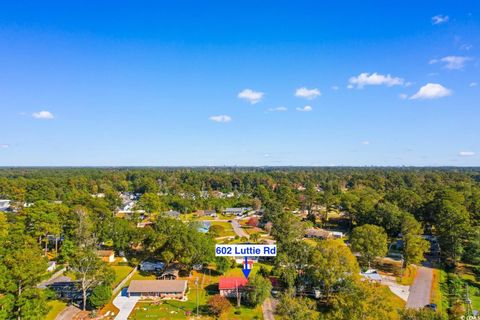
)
(374, 79)
(307, 93)
(403, 96)
(251, 96)
(452, 62)
(432, 91)
(305, 109)
(335, 88)
(221, 118)
(365, 142)
(473, 84)
(4, 146)
(466, 153)
(46, 115)
(278, 109)
(438, 19)
(465, 46)
(350, 86)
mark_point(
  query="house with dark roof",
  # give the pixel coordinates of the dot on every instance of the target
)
(171, 272)
(163, 289)
(229, 286)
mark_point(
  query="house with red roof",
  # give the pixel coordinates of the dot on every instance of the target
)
(228, 286)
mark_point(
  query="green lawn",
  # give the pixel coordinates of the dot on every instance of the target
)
(56, 307)
(395, 301)
(120, 273)
(227, 226)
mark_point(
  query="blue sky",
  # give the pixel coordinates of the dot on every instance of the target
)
(240, 83)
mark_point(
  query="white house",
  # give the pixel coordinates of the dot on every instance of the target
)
(51, 266)
(236, 211)
(4, 204)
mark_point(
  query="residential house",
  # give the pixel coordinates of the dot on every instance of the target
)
(318, 233)
(371, 275)
(204, 227)
(205, 213)
(149, 266)
(236, 211)
(51, 266)
(164, 289)
(66, 289)
(337, 234)
(229, 286)
(143, 224)
(170, 273)
(98, 195)
(106, 255)
(4, 204)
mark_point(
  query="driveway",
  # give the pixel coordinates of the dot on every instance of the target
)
(68, 313)
(238, 229)
(124, 304)
(419, 295)
(268, 308)
(399, 290)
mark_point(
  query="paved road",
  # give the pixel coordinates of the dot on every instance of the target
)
(238, 229)
(268, 308)
(420, 290)
(68, 313)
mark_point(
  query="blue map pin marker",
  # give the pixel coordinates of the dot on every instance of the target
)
(245, 269)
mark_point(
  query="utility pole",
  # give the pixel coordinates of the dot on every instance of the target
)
(238, 295)
(469, 302)
(196, 284)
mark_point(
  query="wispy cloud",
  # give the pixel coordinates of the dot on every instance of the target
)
(439, 19)
(466, 153)
(305, 109)
(4, 146)
(374, 79)
(365, 142)
(465, 46)
(452, 62)
(307, 93)
(221, 118)
(431, 91)
(251, 95)
(278, 109)
(335, 88)
(473, 84)
(403, 96)
(44, 115)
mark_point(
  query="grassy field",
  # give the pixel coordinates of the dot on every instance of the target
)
(56, 307)
(395, 301)
(120, 273)
(437, 295)
(227, 226)
(408, 276)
